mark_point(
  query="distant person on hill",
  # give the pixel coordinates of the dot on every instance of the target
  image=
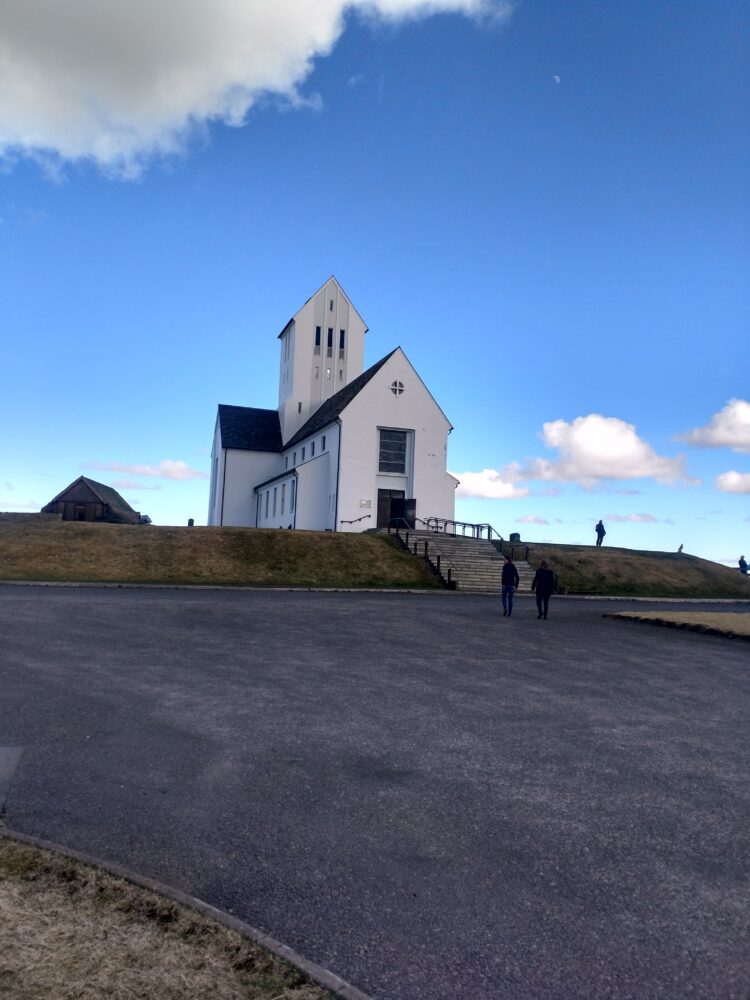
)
(509, 584)
(743, 566)
(600, 533)
(679, 551)
(544, 586)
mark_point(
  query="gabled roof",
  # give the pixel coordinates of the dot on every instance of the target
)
(106, 494)
(249, 429)
(338, 284)
(333, 406)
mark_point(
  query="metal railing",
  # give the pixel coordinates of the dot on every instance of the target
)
(443, 526)
(357, 519)
(437, 562)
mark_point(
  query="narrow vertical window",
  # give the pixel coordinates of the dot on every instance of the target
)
(317, 340)
(286, 461)
(274, 501)
(283, 497)
(341, 374)
(342, 341)
(267, 496)
(330, 306)
(291, 496)
(317, 372)
(323, 443)
(312, 449)
(294, 458)
(329, 343)
(328, 372)
(299, 407)
(303, 453)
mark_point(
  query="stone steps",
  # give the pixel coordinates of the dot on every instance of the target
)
(475, 563)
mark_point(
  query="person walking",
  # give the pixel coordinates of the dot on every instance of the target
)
(509, 584)
(544, 586)
(600, 533)
(743, 566)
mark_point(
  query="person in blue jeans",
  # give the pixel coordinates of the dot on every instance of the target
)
(509, 584)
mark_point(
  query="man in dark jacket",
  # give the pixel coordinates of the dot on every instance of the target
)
(600, 533)
(743, 566)
(543, 586)
(509, 584)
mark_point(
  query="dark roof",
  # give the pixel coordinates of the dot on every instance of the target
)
(106, 494)
(332, 407)
(248, 428)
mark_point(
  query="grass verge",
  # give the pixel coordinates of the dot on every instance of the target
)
(70, 931)
(733, 624)
(615, 572)
(48, 549)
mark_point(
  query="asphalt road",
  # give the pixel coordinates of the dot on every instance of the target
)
(432, 801)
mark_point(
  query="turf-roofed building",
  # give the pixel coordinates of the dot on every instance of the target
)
(346, 449)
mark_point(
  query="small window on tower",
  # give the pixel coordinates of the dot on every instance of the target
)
(342, 342)
(299, 407)
(312, 449)
(317, 340)
(323, 443)
(330, 306)
(303, 453)
(341, 374)
(317, 372)
(329, 343)
(328, 372)
(286, 461)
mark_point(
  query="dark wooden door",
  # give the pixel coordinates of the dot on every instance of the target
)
(385, 506)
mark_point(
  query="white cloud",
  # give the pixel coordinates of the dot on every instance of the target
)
(733, 482)
(591, 450)
(729, 428)
(633, 518)
(128, 484)
(531, 519)
(117, 82)
(490, 484)
(168, 469)
(595, 447)
(8, 486)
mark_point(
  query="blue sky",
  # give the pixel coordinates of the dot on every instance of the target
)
(546, 205)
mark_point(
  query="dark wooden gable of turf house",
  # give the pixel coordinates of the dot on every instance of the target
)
(87, 500)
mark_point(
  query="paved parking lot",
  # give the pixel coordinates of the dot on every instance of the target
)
(424, 797)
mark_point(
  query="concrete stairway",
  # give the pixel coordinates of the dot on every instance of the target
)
(475, 563)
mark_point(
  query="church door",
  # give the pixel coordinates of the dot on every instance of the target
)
(388, 509)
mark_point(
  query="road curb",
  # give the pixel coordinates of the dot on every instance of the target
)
(682, 626)
(320, 975)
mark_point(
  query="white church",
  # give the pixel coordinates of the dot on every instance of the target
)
(347, 449)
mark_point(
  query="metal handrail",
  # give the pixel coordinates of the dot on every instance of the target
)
(437, 565)
(357, 519)
(447, 526)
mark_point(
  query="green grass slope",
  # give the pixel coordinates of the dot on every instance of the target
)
(47, 549)
(585, 569)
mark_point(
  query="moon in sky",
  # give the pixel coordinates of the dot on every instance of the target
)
(556, 79)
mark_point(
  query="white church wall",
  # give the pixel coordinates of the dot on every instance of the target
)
(414, 410)
(276, 503)
(314, 502)
(244, 469)
(217, 478)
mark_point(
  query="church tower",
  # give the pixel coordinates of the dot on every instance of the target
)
(322, 350)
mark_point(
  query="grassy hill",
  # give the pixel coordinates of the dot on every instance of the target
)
(40, 547)
(585, 569)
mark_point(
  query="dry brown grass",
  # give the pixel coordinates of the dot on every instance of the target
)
(49, 549)
(735, 624)
(585, 569)
(71, 932)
